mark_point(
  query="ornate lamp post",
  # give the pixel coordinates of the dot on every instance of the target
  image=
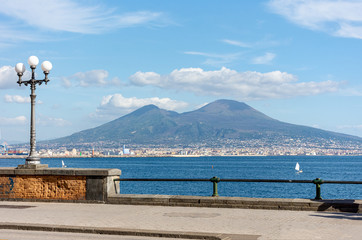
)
(33, 61)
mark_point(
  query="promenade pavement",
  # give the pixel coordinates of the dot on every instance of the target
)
(6, 234)
(220, 223)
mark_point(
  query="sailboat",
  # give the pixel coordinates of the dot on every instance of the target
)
(297, 168)
(63, 165)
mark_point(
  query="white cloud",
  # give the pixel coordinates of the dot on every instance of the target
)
(355, 130)
(90, 78)
(16, 99)
(52, 121)
(8, 77)
(38, 21)
(349, 31)
(230, 83)
(21, 120)
(265, 59)
(66, 82)
(11, 33)
(116, 104)
(72, 16)
(338, 18)
(359, 127)
(216, 59)
(236, 43)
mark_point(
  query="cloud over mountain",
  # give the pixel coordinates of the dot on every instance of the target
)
(116, 104)
(241, 85)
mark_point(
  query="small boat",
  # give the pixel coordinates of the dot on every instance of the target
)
(297, 168)
(63, 165)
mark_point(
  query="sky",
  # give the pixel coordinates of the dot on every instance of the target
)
(298, 61)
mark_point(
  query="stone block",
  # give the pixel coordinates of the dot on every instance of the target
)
(97, 172)
(32, 166)
(59, 171)
(94, 189)
(111, 186)
(26, 171)
(7, 171)
(208, 200)
(185, 199)
(151, 199)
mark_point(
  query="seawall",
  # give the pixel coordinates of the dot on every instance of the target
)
(58, 184)
(99, 186)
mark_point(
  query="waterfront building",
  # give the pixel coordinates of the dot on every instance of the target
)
(125, 150)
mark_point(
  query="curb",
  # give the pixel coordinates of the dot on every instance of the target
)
(329, 205)
(126, 232)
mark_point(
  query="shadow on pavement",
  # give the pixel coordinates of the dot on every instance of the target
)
(341, 215)
(343, 205)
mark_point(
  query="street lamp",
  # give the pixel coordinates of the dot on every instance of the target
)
(33, 61)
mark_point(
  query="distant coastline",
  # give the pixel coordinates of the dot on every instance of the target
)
(166, 156)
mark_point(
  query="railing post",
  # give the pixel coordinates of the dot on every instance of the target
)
(214, 181)
(318, 182)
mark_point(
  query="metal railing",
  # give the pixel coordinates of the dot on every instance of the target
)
(215, 180)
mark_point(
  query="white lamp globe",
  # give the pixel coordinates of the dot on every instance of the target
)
(46, 66)
(20, 68)
(33, 61)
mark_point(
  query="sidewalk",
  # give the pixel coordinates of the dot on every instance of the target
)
(184, 222)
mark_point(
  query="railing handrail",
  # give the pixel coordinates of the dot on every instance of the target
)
(233, 180)
(215, 180)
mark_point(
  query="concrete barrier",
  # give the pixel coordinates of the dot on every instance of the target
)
(354, 206)
(58, 184)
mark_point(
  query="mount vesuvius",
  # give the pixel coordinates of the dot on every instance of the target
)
(215, 123)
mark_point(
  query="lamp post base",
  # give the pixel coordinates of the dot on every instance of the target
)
(32, 160)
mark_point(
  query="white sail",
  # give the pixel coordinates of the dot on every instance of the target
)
(297, 168)
(63, 165)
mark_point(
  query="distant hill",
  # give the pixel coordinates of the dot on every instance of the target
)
(216, 122)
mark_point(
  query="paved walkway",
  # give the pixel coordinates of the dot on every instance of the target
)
(225, 223)
(6, 234)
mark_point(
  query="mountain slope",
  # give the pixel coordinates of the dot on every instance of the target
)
(220, 120)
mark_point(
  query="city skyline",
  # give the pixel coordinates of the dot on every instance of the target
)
(295, 61)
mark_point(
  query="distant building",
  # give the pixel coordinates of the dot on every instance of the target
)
(74, 152)
(125, 150)
(3, 149)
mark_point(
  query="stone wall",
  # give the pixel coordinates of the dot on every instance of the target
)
(43, 187)
(58, 184)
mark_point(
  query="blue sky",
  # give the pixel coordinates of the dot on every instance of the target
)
(298, 61)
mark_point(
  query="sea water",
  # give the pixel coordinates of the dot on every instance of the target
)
(339, 168)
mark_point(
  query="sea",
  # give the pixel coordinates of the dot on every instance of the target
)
(337, 168)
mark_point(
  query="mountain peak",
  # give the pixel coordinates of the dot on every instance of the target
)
(149, 107)
(228, 104)
(145, 109)
(224, 106)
